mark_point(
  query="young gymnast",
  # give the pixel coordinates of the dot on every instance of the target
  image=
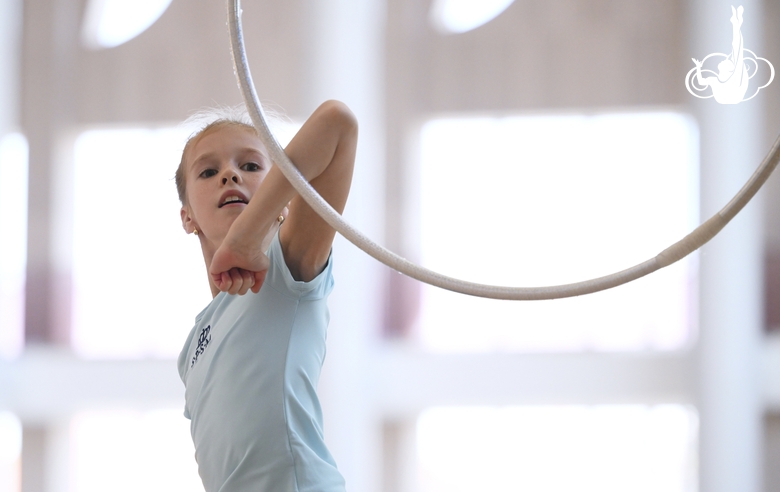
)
(252, 361)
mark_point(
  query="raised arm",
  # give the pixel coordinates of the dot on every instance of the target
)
(324, 152)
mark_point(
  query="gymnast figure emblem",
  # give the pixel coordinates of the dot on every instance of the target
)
(735, 70)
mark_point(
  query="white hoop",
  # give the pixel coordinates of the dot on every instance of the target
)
(675, 252)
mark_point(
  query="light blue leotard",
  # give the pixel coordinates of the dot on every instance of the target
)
(250, 367)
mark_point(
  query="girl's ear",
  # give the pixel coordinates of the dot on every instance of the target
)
(187, 222)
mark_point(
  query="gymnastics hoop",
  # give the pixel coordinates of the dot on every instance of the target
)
(673, 253)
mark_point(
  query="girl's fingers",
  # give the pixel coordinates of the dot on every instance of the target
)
(242, 280)
(225, 282)
(247, 280)
(239, 281)
(236, 281)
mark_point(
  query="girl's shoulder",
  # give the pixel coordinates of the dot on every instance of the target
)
(280, 279)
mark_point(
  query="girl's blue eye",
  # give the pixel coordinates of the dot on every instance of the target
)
(208, 173)
(251, 166)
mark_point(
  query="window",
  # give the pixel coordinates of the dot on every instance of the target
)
(109, 23)
(543, 200)
(557, 448)
(139, 280)
(10, 452)
(131, 450)
(457, 16)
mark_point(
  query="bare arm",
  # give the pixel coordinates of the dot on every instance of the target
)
(327, 143)
(324, 152)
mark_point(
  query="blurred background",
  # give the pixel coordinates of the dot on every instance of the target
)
(520, 142)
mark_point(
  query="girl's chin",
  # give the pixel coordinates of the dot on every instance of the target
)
(220, 228)
(229, 213)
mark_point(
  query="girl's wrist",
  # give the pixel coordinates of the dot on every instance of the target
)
(250, 231)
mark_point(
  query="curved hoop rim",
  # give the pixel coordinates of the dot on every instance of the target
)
(682, 248)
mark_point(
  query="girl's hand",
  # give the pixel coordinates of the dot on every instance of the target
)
(239, 281)
(236, 268)
(236, 271)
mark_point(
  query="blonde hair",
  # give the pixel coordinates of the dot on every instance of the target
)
(208, 120)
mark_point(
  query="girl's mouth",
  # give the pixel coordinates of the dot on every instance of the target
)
(232, 198)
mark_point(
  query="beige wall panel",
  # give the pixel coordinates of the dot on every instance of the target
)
(771, 97)
(183, 63)
(771, 198)
(772, 453)
(553, 54)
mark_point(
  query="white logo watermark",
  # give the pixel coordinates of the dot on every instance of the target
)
(731, 82)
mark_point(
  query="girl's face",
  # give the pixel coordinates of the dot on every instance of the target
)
(223, 170)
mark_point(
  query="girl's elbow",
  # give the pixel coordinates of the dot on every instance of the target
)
(339, 114)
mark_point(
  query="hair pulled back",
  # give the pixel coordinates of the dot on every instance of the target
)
(212, 119)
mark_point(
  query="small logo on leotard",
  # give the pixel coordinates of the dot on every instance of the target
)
(203, 341)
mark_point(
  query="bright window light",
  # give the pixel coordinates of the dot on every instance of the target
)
(13, 247)
(128, 451)
(284, 129)
(139, 280)
(545, 200)
(457, 16)
(558, 449)
(109, 23)
(10, 451)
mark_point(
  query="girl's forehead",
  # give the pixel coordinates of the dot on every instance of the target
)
(225, 140)
(229, 135)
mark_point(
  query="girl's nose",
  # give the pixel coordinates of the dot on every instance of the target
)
(231, 176)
